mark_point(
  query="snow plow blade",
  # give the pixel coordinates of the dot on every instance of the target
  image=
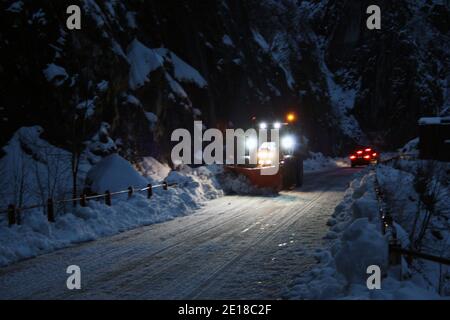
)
(258, 179)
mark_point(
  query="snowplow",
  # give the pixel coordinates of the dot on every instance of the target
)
(279, 164)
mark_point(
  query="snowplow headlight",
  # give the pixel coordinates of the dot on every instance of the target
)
(277, 125)
(251, 143)
(263, 125)
(288, 142)
(266, 157)
(263, 155)
(265, 162)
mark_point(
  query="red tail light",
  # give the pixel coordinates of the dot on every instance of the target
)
(368, 150)
(374, 154)
(366, 157)
(359, 152)
(352, 157)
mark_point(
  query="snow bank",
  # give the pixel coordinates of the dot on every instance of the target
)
(318, 162)
(412, 147)
(355, 242)
(232, 183)
(114, 173)
(49, 164)
(36, 236)
(362, 245)
(153, 169)
(200, 183)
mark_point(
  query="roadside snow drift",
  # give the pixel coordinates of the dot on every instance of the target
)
(318, 162)
(114, 173)
(33, 171)
(355, 242)
(36, 236)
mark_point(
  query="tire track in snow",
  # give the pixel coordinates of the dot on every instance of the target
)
(259, 241)
(176, 287)
(106, 251)
(166, 260)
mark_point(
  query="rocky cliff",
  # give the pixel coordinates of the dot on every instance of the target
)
(148, 67)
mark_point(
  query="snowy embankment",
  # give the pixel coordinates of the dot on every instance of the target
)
(33, 171)
(355, 241)
(31, 176)
(318, 162)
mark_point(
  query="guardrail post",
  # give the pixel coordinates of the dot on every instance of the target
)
(395, 259)
(50, 210)
(11, 214)
(130, 192)
(149, 191)
(18, 217)
(395, 256)
(83, 200)
(165, 186)
(108, 198)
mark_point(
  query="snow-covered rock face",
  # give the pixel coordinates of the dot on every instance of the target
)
(399, 73)
(238, 60)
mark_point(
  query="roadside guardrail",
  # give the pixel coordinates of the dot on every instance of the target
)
(14, 213)
(388, 227)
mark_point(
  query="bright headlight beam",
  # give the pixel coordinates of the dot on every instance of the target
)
(288, 142)
(277, 125)
(251, 143)
(263, 125)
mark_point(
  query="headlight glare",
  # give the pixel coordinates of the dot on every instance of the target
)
(288, 142)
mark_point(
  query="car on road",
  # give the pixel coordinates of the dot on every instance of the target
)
(364, 156)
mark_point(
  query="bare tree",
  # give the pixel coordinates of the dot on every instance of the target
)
(14, 174)
(444, 271)
(77, 147)
(80, 125)
(19, 176)
(428, 187)
(51, 174)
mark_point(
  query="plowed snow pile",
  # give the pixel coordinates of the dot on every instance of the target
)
(40, 171)
(355, 242)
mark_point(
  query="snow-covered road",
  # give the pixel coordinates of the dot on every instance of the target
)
(235, 247)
